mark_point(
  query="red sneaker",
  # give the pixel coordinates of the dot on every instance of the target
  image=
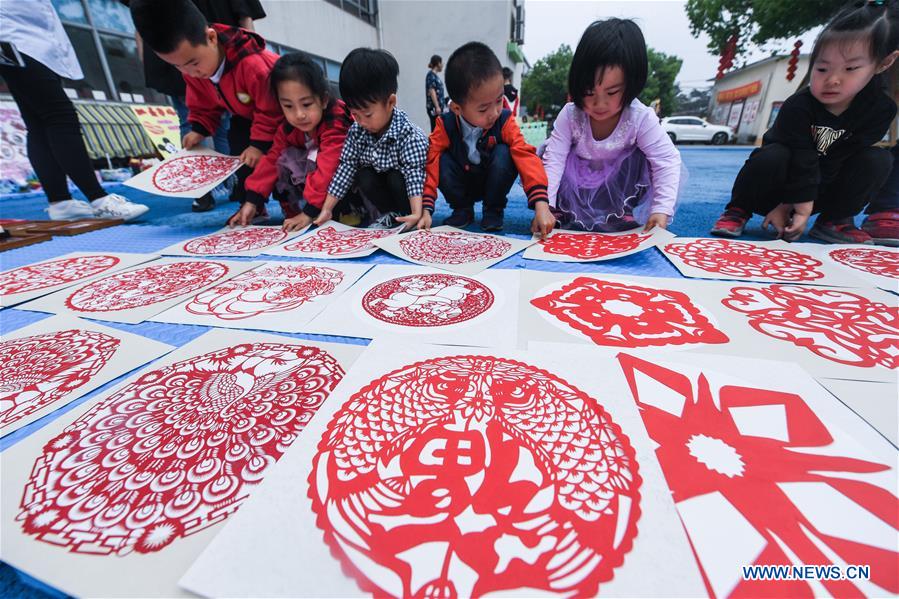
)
(841, 230)
(883, 227)
(731, 223)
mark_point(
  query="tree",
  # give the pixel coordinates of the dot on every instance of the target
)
(694, 103)
(663, 70)
(756, 21)
(546, 84)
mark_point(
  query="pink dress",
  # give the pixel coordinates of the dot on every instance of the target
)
(594, 184)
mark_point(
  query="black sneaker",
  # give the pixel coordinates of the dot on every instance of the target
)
(460, 218)
(203, 203)
(492, 220)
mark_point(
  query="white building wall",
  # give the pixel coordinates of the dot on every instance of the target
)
(316, 27)
(413, 30)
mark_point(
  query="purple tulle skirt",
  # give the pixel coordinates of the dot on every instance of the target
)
(601, 195)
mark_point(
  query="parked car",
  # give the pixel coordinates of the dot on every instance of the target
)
(691, 128)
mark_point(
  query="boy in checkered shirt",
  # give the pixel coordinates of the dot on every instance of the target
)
(384, 153)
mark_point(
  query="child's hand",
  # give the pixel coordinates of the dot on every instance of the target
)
(656, 219)
(778, 218)
(801, 212)
(251, 156)
(425, 221)
(244, 216)
(410, 220)
(324, 216)
(191, 140)
(298, 222)
(544, 221)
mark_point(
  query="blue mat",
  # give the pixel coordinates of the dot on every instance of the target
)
(712, 172)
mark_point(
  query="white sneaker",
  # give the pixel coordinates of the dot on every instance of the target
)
(116, 206)
(387, 221)
(70, 209)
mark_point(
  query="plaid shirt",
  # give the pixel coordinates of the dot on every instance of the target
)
(403, 147)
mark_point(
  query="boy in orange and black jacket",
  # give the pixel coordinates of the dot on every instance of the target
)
(224, 68)
(477, 150)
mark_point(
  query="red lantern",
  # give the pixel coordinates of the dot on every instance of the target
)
(728, 53)
(794, 60)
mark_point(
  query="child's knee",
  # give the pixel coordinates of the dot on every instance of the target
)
(878, 162)
(501, 158)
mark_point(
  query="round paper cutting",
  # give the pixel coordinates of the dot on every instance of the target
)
(427, 300)
(54, 272)
(329, 240)
(189, 173)
(468, 475)
(453, 247)
(145, 286)
(39, 370)
(746, 260)
(591, 246)
(235, 240)
(870, 260)
(176, 451)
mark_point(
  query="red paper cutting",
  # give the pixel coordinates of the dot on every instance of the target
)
(266, 290)
(836, 325)
(189, 173)
(54, 272)
(175, 452)
(39, 370)
(622, 315)
(453, 247)
(469, 475)
(871, 260)
(235, 240)
(587, 246)
(746, 260)
(329, 240)
(145, 286)
(702, 451)
(427, 300)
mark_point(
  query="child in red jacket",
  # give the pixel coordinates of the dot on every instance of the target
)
(225, 69)
(306, 150)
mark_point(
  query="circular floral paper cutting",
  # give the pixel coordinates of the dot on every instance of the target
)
(590, 246)
(176, 451)
(453, 247)
(39, 370)
(145, 286)
(235, 240)
(427, 300)
(470, 475)
(870, 260)
(54, 272)
(188, 173)
(745, 260)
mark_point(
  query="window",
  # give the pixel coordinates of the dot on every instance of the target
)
(70, 10)
(111, 15)
(127, 71)
(696, 122)
(367, 10)
(94, 85)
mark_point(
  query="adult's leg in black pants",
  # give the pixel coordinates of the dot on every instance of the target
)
(433, 120)
(761, 185)
(860, 178)
(55, 146)
(386, 191)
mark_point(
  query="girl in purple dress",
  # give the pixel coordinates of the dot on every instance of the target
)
(608, 157)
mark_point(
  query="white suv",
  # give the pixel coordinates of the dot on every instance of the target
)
(691, 128)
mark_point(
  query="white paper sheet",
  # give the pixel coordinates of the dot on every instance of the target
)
(442, 409)
(876, 403)
(125, 492)
(452, 249)
(276, 296)
(332, 241)
(239, 241)
(425, 305)
(758, 261)
(53, 362)
(836, 333)
(580, 246)
(765, 467)
(187, 174)
(25, 283)
(134, 295)
(876, 264)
